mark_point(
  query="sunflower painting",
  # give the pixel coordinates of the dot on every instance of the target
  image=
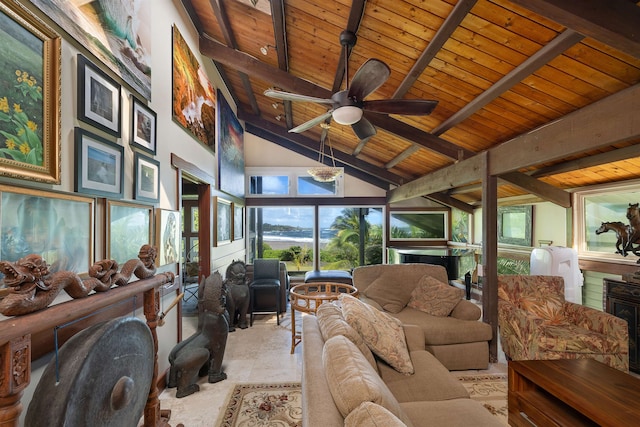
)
(193, 96)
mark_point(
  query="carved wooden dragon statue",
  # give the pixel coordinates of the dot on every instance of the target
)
(33, 287)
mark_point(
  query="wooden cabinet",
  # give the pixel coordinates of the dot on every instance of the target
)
(622, 299)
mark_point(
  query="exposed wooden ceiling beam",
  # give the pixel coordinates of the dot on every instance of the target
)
(539, 188)
(282, 49)
(449, 25)
(613, 22)
(259, 70)
(586, 162)
(225, 27)
(609, 121)
(558, 45)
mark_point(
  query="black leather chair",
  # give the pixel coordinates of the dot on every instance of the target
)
(265, 288)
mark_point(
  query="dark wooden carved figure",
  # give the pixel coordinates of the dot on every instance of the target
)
(237, 285)
(201, 354)
(628, 235)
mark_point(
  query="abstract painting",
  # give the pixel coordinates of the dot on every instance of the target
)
(231, 150)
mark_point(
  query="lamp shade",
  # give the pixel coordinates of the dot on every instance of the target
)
(347, 115)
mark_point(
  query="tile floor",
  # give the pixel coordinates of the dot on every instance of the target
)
(260, 353)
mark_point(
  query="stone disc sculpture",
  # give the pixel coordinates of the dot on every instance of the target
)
(105, 374)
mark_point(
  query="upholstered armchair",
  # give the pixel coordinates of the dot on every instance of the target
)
(536, 323)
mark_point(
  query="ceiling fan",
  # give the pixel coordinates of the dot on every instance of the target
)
(348, 106)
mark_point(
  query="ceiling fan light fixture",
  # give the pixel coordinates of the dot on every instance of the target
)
(347, 115)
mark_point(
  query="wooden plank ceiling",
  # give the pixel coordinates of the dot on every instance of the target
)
(498, 69)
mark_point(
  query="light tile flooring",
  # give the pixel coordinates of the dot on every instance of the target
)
(260, 353)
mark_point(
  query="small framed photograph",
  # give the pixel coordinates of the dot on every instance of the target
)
(99, 165)
(146, 179)
(99, 101)
(167, 236)
(143, 126)
(223, 221)
(238, 223)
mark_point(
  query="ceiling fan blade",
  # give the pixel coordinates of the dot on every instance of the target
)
(363, 129)
(288, 96)
(409, 107)
(368, 78)
(311, 123)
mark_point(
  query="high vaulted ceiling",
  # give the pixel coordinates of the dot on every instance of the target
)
(556, 79)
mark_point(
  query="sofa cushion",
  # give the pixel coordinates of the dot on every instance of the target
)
(392, 296)
(352, 380)
(382, 333)
(450, 413)
(431, 380)
(434, 297)
(369, 414)
(332, 323)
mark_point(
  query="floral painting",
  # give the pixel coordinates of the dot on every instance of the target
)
(193, 96)
(231, 150)
(29, 95)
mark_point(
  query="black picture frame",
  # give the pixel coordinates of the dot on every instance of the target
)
(144, 126)
(99, 100)
(146, 179)
(99, 165)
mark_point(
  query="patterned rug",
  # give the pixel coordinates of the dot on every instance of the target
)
(256, 405)
(490, 390)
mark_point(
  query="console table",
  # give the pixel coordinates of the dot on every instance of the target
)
(580, 392)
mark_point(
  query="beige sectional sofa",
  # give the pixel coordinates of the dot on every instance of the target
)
(458, 340)
(343, 384)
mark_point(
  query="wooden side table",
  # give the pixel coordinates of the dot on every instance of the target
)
(307, 297)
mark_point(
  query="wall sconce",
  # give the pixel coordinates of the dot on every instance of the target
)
(275, 105)
(279, 117)
(265, 49)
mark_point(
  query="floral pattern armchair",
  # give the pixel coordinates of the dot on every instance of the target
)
(536, 323)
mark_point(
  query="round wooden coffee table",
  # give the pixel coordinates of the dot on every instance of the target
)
(307, 297)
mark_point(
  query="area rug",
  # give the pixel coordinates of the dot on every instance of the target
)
(490, 390)
(256, 405)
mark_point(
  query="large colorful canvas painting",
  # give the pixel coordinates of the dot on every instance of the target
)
(231, 150)
(117, 32)
(193, 96)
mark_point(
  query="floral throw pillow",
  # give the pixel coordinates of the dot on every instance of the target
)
(382, 333)
(434, 297)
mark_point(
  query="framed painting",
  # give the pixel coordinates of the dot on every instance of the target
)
(56, 226)
(128, 227)
(29, 96)
(143, 126)
(230, 149)
(146, 185)
(418, 225)
(238, 222)
(99, 101)
(223, 221)
(193, 96)
(167, 236)
(515, 225)
(99, 165)
(116, 32)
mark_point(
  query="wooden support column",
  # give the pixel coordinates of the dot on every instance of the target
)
(490, 256)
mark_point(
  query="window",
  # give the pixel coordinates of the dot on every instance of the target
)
(601, 222)
(290, 182)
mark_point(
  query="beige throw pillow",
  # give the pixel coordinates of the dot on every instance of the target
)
(434, 297)
(391, 296)
(369, 414)
(352, 381)
(332, 323)
(383, 334)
